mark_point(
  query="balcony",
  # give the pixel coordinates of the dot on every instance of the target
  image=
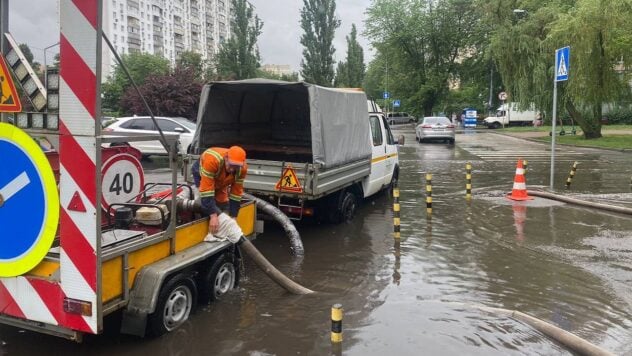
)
(178, 29)
(133, 42)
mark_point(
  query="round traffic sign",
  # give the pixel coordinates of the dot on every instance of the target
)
(502, 95)
(29, 203)
(122, 180)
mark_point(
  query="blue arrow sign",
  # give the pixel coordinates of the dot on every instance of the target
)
(386, 95)
(396, 103)
(29, 203)
(562, 63)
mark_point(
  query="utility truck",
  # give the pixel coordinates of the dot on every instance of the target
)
(514, 117)
(82, 236)
(312, 151)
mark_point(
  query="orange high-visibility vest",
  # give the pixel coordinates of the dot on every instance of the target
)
(214, 180)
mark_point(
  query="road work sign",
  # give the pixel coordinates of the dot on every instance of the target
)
(289, 181)
(562, 63)
(9, 100)
(29, 203)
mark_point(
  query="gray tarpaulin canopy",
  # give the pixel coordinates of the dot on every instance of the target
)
(332, 123)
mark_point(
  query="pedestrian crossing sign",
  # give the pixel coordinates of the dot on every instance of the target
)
(289, 181)
(9, 100)
(562, 63)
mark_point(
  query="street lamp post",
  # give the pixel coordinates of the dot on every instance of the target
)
(46, 66)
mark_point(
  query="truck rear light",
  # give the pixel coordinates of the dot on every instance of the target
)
(75, 306)
(295, 210)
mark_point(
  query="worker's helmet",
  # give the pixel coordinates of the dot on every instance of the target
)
(236, 156)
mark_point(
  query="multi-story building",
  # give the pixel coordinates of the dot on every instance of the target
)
(164, 27)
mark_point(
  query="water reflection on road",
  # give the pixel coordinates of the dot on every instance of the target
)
(567, 265)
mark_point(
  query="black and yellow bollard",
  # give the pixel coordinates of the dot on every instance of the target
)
(569, 180)
(468, 181)
(336, 323)
(429, 193)
(396, 208)
(525, 164)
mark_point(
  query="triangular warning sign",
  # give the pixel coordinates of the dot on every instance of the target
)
(9, 100)
(289, 181)
(562, 71)
(76, 203)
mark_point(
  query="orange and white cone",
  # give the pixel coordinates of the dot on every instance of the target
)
(519, 191)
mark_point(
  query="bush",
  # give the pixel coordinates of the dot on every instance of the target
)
(620, 116)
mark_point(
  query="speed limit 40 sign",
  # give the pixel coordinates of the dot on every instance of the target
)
(122, 180)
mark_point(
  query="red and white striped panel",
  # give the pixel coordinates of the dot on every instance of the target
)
(40, 300)
(78, 109)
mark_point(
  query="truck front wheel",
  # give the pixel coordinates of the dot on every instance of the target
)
(175, 303)
(495, 125)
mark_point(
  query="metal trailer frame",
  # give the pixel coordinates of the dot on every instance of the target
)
(77, 284)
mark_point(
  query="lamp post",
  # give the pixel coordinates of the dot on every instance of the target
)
(46, 66)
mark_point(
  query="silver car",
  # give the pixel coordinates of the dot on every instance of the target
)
(438, 128)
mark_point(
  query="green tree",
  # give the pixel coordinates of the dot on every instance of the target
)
(26, 51)
(319, 25)
(192, 61)
(342, 75)
(238, 57)
(293, 77)
(422, 44)
(140, 66)
(355, 60)
(600, 36)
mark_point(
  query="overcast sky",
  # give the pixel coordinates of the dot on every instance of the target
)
(35, 22)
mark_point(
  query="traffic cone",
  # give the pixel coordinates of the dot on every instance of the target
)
(519, 191)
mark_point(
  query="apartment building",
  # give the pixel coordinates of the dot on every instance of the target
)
(164, 27)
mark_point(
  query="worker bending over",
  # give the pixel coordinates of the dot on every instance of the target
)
(222, 174)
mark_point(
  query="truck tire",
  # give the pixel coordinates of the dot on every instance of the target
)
(219, 279)
(495, 125)
(175, 304)
(343, 208)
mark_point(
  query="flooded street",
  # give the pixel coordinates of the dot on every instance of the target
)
(567, 265)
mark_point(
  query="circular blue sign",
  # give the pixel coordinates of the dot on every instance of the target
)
(22, 214)
(29, 203)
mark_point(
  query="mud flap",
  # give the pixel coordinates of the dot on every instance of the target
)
(134, 323)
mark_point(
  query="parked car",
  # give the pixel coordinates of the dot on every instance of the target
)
(395, 118)
(435, 128)
(144, 125)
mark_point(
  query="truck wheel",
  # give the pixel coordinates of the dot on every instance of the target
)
(219, 279)
(175, 303)
(345, 208)
(496, 125)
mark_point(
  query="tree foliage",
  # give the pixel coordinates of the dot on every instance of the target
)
(174, 94)
(423, 44)
(293, 77)
(319, 25)
(350, 73)
(26, 51)
(140, 66)
(238, 57)
(192, 61)
(355, 60)
(600, 36)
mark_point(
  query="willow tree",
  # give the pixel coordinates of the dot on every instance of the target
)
(319, 24)
(600, 36)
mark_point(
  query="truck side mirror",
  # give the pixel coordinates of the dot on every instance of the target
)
(400, 140)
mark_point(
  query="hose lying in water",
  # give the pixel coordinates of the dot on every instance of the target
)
(562, 336)
(285, 222)
(562, 198)
(270, 270)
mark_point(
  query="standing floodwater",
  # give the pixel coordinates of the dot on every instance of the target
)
(567, 265)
